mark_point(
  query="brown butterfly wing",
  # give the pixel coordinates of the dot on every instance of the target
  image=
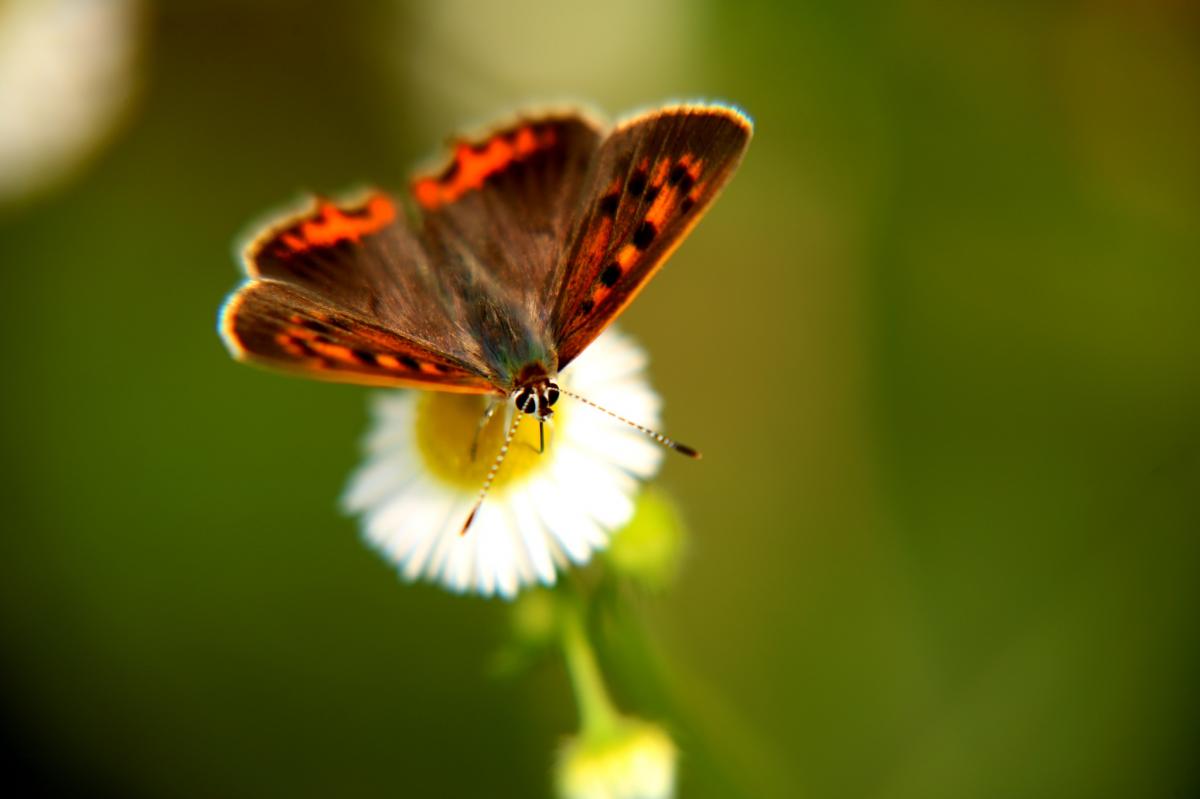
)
(347, 293)
(496, 216)
(276, 325)
(532, 239)
(652, 180)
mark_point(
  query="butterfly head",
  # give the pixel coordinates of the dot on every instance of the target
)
(537, 399)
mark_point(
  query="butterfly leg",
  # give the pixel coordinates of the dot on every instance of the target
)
(488, 413)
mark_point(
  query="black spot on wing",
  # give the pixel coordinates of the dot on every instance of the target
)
(637, 184)
(644, 235)
(313, 325)
(680, 178)
(608, 204)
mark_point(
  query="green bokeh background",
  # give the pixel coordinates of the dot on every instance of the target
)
(939, 340)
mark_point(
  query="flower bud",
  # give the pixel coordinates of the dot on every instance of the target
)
(649, 550)
(635, 761)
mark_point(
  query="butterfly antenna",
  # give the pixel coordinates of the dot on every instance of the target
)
(487, 483)
(669, 443)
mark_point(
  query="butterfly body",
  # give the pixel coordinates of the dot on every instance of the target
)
(511, 259)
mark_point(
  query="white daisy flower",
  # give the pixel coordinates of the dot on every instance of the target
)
(420, 482)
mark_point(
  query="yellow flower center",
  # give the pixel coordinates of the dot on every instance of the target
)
(446, 426)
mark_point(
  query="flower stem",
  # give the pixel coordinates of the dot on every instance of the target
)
(598, 717)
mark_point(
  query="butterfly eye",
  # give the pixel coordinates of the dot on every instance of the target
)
(551, 394)
(526, 401)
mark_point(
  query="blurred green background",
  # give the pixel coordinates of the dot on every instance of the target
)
(944, 543)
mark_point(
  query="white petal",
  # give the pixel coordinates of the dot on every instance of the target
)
(395, 416)
(575, 532)
(418, 561)
(488, 527)
(454, 559)
(602, 491)
(628, 449)
(406, 527)
(379, 479)
(533, 534)
(610, 357)
(521, 558)
(503, 552)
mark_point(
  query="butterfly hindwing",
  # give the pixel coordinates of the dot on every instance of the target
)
(277, 325)
(653, 178)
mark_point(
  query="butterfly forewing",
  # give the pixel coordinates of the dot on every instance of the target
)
(496, 218)
(346, 292)
(651, 181)
(363, 257)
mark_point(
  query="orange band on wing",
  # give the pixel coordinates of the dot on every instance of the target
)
(327, 224)
(473, 164)
(331, 224)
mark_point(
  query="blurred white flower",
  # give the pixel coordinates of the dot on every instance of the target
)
(637, 761)
(66, 75)
(419, 481)
(473, 59)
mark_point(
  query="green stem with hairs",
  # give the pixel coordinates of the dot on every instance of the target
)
(598, 717)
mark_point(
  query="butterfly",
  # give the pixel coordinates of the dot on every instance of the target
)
(497, 269)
